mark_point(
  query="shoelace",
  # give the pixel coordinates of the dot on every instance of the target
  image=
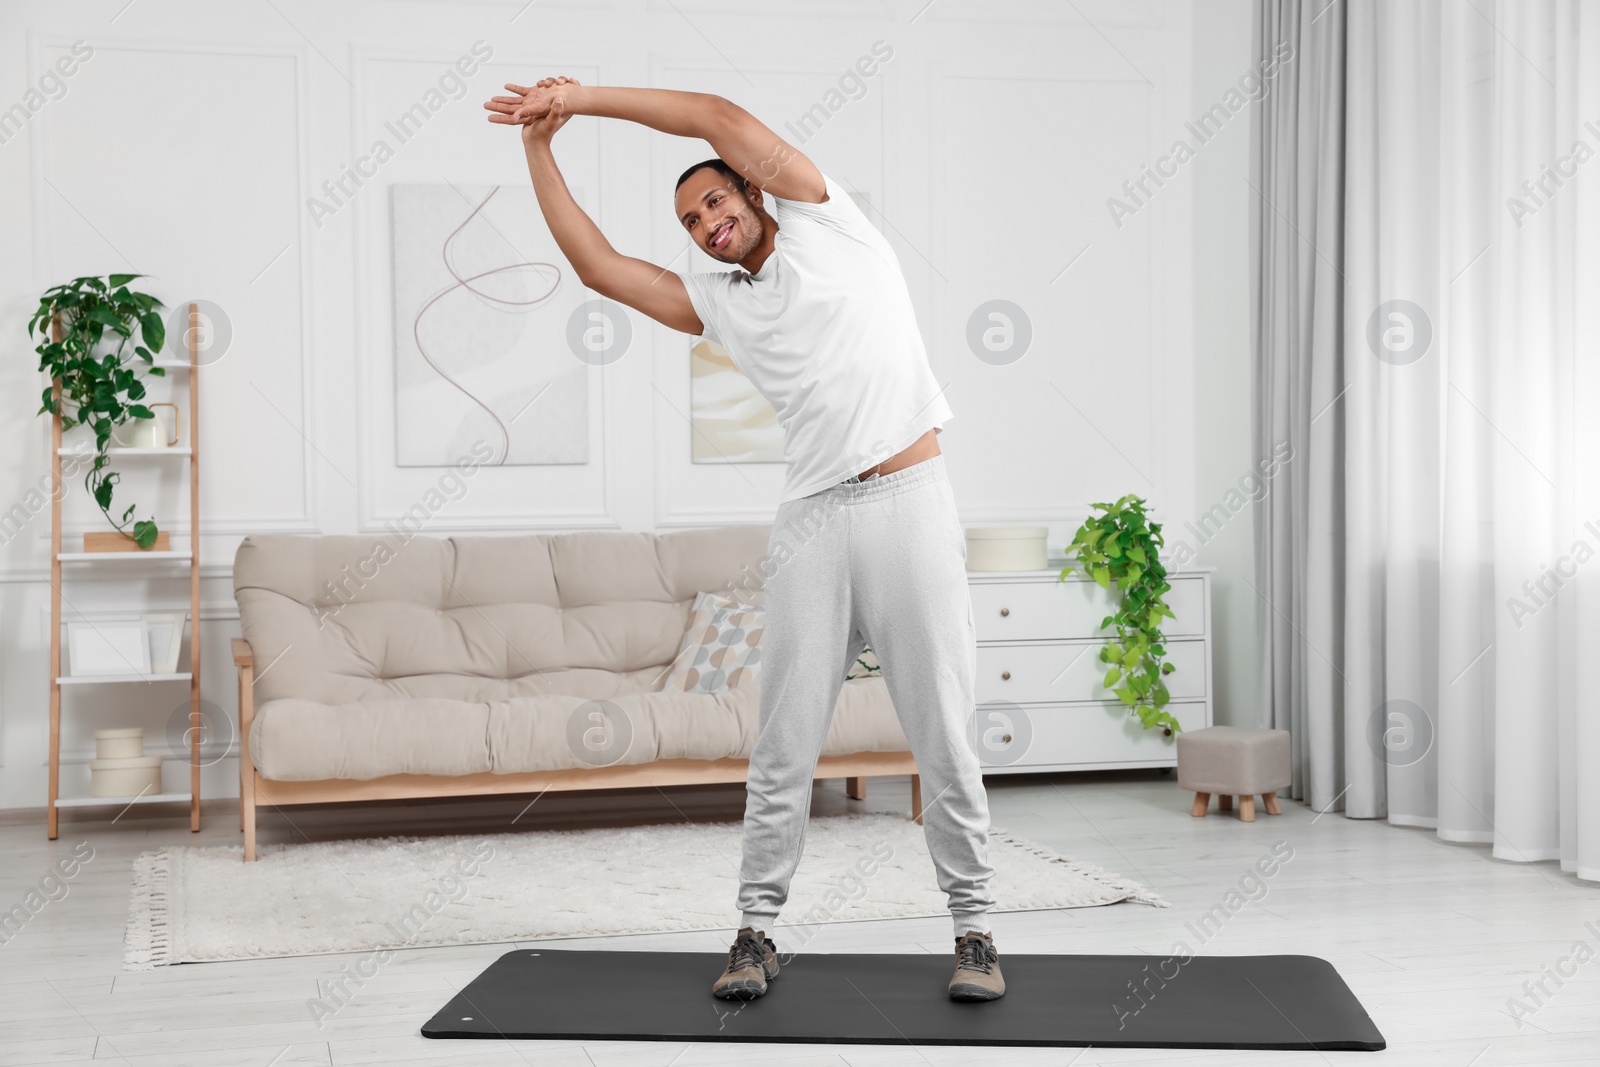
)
(976, 955)
(746, 951)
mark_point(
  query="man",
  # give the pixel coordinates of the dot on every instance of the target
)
(819, 319)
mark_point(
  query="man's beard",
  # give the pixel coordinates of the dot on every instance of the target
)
(749, 236)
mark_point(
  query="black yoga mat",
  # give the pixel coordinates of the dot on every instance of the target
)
(1223, 1002)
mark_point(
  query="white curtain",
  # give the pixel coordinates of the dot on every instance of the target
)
(1428, 336)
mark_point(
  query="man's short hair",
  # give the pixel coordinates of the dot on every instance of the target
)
(738, 180)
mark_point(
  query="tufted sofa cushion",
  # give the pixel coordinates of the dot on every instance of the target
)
(379, 655)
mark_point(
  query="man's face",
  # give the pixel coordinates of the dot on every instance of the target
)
(718, 217)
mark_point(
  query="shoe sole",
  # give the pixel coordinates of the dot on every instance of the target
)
(974, 992)
(739, 992)
(746, 990)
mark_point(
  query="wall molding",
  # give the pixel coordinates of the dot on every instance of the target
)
(375, 384)
(44, 219)
(939, 76)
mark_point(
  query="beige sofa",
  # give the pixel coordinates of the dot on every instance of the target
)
(395, 667)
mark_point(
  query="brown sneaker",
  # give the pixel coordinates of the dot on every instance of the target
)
(752, 962)
(977, 974)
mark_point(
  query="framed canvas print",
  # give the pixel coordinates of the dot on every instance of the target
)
(107, 648)
(731, 421)
(164, 631)
(484, 329)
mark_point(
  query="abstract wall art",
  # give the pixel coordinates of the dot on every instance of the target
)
(482, 299)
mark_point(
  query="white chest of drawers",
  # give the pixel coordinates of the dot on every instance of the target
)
(1040, 702)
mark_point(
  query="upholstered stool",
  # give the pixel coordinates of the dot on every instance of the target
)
(1233, 761)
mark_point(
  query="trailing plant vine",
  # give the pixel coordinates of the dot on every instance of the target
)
(99, 386)
(1121, 548)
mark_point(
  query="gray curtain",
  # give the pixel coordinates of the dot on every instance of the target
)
(1297, 309)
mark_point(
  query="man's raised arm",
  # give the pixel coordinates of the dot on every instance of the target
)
(738, 137)
(641, 285)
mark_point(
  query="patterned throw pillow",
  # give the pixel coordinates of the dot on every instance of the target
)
(865, 666)
(721, 647)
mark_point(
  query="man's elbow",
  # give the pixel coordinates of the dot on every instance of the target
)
(599, 281)
(590, 274)
(721, 113)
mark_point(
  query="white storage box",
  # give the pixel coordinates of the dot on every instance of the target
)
(1006, 548)
(125, 777)
(119, 743)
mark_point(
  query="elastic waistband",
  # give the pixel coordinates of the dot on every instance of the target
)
(856, 489)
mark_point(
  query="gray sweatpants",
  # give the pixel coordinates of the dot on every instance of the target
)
(879, 562)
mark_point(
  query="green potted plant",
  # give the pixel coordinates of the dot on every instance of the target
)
(100, 383)
(1120, 550)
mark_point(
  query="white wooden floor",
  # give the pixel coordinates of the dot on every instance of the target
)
(1434, 938)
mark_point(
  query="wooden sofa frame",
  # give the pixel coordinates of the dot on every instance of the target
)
(256, 791)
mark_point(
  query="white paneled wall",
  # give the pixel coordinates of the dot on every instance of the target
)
(206, 144)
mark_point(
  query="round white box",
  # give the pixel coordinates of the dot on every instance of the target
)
(125, 777)
(1006, 548)
(119, 743)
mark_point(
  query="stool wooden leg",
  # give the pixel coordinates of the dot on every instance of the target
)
(1201, 802)
(1270, 802)
(1247, 808)
(855, 788)
(1225, 802)
(916, 798)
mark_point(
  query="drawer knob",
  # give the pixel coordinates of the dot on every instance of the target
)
(1006, 738)
(1005, 611)
(1005, 676)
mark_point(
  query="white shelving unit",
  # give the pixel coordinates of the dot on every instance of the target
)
(61, 561)
(142, 798)
(101, 679)
(109, 557)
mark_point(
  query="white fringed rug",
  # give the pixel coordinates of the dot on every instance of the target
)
(194, 905)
